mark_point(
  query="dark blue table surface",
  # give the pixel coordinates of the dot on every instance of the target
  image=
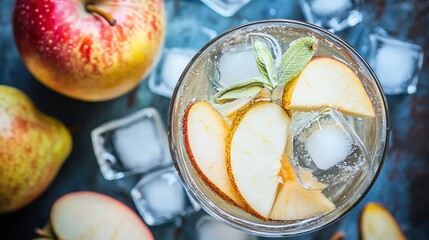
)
(402, 185)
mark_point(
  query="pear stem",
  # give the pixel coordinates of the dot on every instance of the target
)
(94, 9)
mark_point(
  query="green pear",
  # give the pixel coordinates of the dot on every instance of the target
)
(33, 147)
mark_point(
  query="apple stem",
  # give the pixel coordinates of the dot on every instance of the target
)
(94, 9)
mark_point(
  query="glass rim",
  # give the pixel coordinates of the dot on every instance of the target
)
(231, 221)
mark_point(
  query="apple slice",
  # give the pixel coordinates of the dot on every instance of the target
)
(376, 222)
(326, 82)
(90, 215)
(255, 146)
(205, 134)
(293, 202)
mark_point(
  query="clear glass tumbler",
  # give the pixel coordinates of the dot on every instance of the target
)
(202, 78)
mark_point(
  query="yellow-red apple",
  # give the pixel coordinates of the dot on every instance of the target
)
(89, 50)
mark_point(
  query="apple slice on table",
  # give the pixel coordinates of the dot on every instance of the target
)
(90, 215)
(205, 133)
(326, 82)
(255, 146)
(376, 222)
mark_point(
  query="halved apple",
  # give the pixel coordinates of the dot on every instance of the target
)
(293, 202)
(255, 146)
(326, 82)
(376, 222)
(205, 133)
(90, 215)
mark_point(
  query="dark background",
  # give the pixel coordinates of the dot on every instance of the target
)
(402, 186)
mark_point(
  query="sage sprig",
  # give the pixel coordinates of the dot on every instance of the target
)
(292, 63)
(264, 61)
(295, 59)
(247, 88)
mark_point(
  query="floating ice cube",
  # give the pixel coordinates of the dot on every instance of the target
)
(328, 147)
(159, 197)
(134, 144)
(209, 228)
(173, 62)
(237, 66)
(396, 63)
(334, 15)
(237, 60)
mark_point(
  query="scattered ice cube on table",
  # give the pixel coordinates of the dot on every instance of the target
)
(159, 197)
(396, 63)
(208, 228)
(328, 147)
(134, 144)
(226, 8)
(330, 7)
(138, 145)
(334, 15)
(173, 62)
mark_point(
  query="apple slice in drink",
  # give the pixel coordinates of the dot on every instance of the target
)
(205, 133)
(376, 222)
(255, 146)
(326, 82)
(293, 202)
(90, 215)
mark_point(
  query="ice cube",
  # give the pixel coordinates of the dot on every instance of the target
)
(159, 197)
(330, 7)
(237, 66)
(396, 63)
(327, 146)
(138, 145)
(134, 144)
(209, 228)
(236, 61)
(334, 15)
(226, 8)
(173, 62)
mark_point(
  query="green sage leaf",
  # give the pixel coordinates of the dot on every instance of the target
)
(264, 61)
(247, 88)
(296, 58)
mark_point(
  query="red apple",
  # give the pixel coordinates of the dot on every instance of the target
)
(89, 50)
(90, 215)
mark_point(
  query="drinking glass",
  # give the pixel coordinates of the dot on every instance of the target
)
(201, 80)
